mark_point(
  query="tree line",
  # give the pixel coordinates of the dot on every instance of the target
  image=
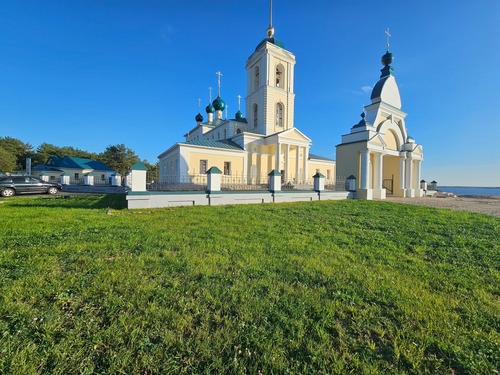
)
(13, 154)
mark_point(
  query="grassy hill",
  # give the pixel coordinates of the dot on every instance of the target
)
(321, 287)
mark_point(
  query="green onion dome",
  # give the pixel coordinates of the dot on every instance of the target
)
(219, 104)
(238, 115)
(210, 108)
(198, 117)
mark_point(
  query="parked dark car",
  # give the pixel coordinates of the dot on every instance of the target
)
(12, 185)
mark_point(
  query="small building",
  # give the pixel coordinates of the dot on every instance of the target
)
(378, 152)
(76, 168)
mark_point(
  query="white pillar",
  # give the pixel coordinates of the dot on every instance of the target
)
(402, 167)
(297, 165)
(306, 156)
(377, 170)
(278, 154)
(409, 178)
(365, 169)
(287, 162)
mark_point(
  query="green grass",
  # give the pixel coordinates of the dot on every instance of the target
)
(323, 287)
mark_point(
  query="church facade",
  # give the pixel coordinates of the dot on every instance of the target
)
(249, 148)
(378, 154)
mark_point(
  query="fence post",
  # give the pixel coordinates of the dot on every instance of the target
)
(88, 179)
(138, 176)
(65, 179)
(274, 180)
(319, 182)
(350, 183)
(116, 179)
(213, 179)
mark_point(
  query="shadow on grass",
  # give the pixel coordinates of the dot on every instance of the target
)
(89, 201)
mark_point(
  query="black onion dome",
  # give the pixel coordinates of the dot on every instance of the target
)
(198, 117)
(387, 59)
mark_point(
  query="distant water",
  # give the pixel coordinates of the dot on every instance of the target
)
(470, 190)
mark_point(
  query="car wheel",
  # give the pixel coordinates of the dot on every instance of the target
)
(8, 192)
(52, 190)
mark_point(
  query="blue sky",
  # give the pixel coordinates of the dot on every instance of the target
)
(92, 73)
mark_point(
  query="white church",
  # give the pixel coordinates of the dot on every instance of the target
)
(378, 155)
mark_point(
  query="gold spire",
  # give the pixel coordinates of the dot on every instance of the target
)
(270, 29)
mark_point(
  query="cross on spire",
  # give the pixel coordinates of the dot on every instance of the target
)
(239, 101)
(219, 74)
(388, 36)
(199, 103)
(210, 93)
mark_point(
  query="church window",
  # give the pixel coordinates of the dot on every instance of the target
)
(280, 77)
(255, 115)
(328, 174)
(227, 168)
(256, 77)
(218, 135)
(238, 131)
(203, 166)
(225, 134)
(279, 115)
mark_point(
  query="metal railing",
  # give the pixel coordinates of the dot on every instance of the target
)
(180, 183)
(240, 182)
(237, 182)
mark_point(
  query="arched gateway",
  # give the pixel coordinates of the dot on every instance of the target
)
(378, 151)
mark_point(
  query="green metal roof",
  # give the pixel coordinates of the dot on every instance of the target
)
(313, 156)
(77, 163)
(273, 40)
(224, 144)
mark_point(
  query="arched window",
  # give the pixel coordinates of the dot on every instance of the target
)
(255, 115)
(279, 115)
(218, 135)
(280, 76)
(225, 136)
(238, 131)
(256, 77)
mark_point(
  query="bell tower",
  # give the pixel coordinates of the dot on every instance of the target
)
(270, 86)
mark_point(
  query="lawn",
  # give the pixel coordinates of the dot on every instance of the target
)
(87, 287)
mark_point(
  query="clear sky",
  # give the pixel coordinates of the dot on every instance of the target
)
(92, 73)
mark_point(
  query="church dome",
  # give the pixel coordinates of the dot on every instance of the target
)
(219, 104)
(238, 115)
(210, 108)
(198, 117)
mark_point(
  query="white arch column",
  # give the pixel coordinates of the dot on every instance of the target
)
(409, 191)
(365, 192)
(306, 156)
(402, 166)
(287, 162)
(378, 189)
(297, 164)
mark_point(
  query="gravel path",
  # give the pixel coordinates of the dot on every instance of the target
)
(488, 205)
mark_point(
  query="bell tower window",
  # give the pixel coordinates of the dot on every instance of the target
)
(280, 76)
(279, 115)
(255, 115)
(256, 77)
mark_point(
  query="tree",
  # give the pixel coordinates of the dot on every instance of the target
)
(18, 149)
(7, 161)
(119, 157)
(152, 173)
(46, 150)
